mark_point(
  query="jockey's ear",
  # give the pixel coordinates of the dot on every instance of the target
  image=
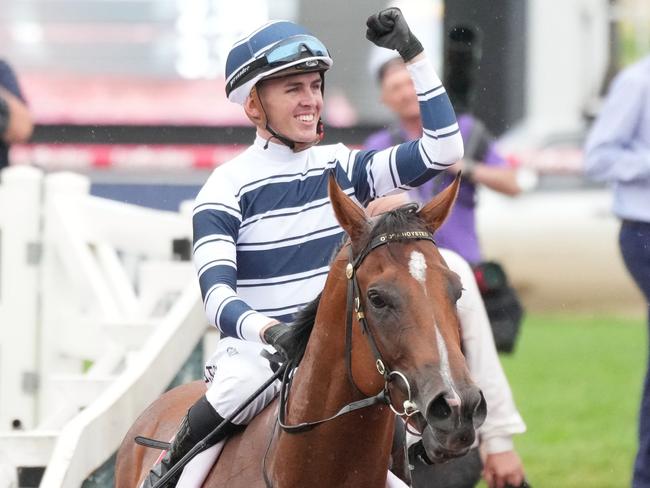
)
(350, 215)
(253, 109)
(436, 211)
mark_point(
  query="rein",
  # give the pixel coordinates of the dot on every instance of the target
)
(353, 305)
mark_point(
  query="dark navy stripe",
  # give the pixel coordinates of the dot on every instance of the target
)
(409, 162)
(223, 274)
(229, 316)
(437, 113)
(283, 214)
(273, 283)
(424, 177)
(296, 193)
(272, 179)
(210, 222)
(311, 255)
(216, 239)
(429, 91)
(286, 239)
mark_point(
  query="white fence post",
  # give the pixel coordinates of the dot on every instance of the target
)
(65, 322)
(95, 305)
(20, 203)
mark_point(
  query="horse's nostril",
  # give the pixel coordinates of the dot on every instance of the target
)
(480, 411)
(439, 409)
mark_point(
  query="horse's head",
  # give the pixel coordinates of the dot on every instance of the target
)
(407, 301)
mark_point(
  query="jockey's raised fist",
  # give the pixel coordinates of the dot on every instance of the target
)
(389, 29)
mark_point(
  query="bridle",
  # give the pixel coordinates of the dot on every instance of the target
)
(354, 306)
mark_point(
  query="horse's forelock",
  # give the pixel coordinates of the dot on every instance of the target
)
(401, 219)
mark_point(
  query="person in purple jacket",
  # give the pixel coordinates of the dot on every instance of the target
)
(482, 164)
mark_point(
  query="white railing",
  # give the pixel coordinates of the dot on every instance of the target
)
(96, 318)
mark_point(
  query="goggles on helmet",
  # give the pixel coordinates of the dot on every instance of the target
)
(283, 53)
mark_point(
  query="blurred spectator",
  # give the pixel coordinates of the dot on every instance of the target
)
(482, 164)
(15, 119)
(618, 152)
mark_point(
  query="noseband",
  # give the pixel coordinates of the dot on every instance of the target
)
(354, 306)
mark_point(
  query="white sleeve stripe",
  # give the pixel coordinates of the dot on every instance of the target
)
(218, 207)
(443, 131)
(216, 262)
(213, 238)
(240, 321)
(430, 162)
(428, 96)
(227, 289)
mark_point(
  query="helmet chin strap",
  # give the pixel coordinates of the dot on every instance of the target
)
(295, 146)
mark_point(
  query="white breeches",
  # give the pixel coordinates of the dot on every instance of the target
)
(234, 372)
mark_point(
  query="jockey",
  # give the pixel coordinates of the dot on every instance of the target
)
(264, 228)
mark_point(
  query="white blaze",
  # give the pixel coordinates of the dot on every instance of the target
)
(418, 267)
(445, 370)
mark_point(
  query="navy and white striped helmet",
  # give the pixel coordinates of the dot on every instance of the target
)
(275, 46)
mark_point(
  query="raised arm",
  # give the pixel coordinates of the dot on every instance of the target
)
(402, 167)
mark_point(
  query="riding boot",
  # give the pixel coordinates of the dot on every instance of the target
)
(201, 420)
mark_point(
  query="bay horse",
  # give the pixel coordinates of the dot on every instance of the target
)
(384, 327)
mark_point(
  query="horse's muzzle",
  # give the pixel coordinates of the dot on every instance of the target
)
(452, 422)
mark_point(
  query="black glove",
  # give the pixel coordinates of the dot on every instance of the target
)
(280, 337)
(389, 29)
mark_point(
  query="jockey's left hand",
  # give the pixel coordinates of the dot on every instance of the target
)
(389, 29)
(279, 336)
(504, 469)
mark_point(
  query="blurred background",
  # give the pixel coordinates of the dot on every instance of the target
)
(131, 92)
(129, 105)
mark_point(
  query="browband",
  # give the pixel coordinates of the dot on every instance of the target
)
(381, 239)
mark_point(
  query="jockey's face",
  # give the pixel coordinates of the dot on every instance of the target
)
(293, 105)
(398, 92)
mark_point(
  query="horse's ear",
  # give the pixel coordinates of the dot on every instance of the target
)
(351, 217)
(436, 211)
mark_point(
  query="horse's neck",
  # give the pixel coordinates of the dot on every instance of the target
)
(355, 443)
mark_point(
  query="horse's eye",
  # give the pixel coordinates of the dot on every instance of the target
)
(375, 299)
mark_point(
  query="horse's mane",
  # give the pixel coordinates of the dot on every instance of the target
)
(404, 218)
